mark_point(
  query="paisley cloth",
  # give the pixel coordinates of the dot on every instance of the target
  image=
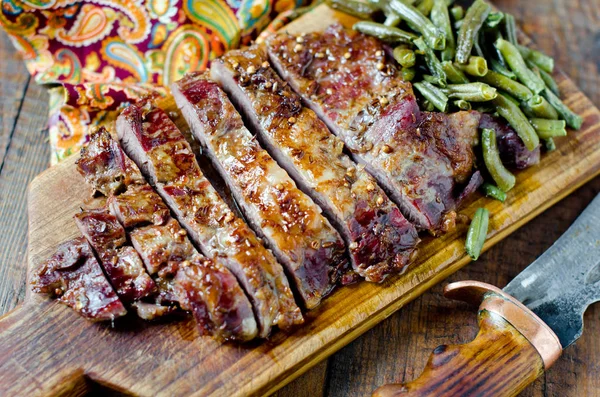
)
(99, 55)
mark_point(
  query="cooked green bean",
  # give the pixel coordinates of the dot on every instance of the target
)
(498, 67)
(510, 111)
(355, 8)
(477, 233)
(494, 19)
(405, 57)
(515, 61)
(433, 63)
(441, 19)
(469, 29)
(549, 145)
(462, 104)
(539, 107)
(425, 7)
(549, 128)
(491, 157)
(433, 95)
(493, 191)
(392, 20)
(549, 81)
(539, 59)
(510, 27)
(435, 38)
(454, 74)
(503, 83)
(472, 92)
(386, 33)
(477, 66)
(408, 74)
(573, 120)
(457, 13)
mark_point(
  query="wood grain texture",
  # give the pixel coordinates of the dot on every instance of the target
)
(397, 349)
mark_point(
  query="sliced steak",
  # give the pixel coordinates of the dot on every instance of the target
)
(420, 159)
(158, 147)
(74, 275)
(104, 165)
(139, 205)
(379, 238)
(289, 221)
(122, 264)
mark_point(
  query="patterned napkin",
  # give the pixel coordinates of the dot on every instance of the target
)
(98, 55)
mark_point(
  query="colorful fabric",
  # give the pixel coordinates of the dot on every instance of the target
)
(104, 54)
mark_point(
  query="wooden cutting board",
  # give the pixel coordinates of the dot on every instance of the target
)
(46, 348)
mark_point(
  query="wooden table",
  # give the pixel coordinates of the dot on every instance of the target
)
(397, 349)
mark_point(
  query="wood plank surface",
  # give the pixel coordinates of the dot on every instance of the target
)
(395, 350)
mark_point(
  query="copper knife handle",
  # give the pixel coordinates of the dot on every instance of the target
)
(512, 349)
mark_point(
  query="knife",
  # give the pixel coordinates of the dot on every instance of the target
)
(522, 328)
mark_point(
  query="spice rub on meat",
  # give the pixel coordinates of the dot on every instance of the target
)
(165, 157)
(380, 240)
(421, 159)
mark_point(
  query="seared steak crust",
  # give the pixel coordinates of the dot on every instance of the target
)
(74, 275)
(345, 78)
(155, 143)
(138, 206)
(291, 223)
(379, 238)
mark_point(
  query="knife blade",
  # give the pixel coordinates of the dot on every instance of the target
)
(524, 327)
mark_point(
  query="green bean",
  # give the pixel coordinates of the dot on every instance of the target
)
(476, 15)
(425, 6)
(510, 27)
(538, 58)
(405, 57)
(477, 66)
(433, 95)
(355, 8)
(428, 106)
(435, 38)
(408, 74)
(491, 157)
(457, 12)
(441, 19)
(512, 87)
(515, 61)
(386, 33)
(477, 233)
(510, 111)
(498, 67)
(433, 63)
(549, 81)
(494, 19)
(537, 106)
(462, 104)
(549, 145)
(392, 20)
(549, 128)
(493, 191)
(573, 120)
(472, 92)
(454, 74)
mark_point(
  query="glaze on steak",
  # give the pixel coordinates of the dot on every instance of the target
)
(419, 158)
(139, 205)
(289, 221)
(158, 147)
(74, 276)
(122, 264)
(379, 238)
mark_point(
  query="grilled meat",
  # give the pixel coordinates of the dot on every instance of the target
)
(159, 148)
(289, 221)
(74, 275)
(105, 167)
(122, 265)
(379, 238)
(419, 158)
(138, 206)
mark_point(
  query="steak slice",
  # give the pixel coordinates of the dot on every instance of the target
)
(105, 167)
(139, 205)
(74, 275)
(420, 159)
(289, 221)
(122, 265)
(379, 238)
(158, 147)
